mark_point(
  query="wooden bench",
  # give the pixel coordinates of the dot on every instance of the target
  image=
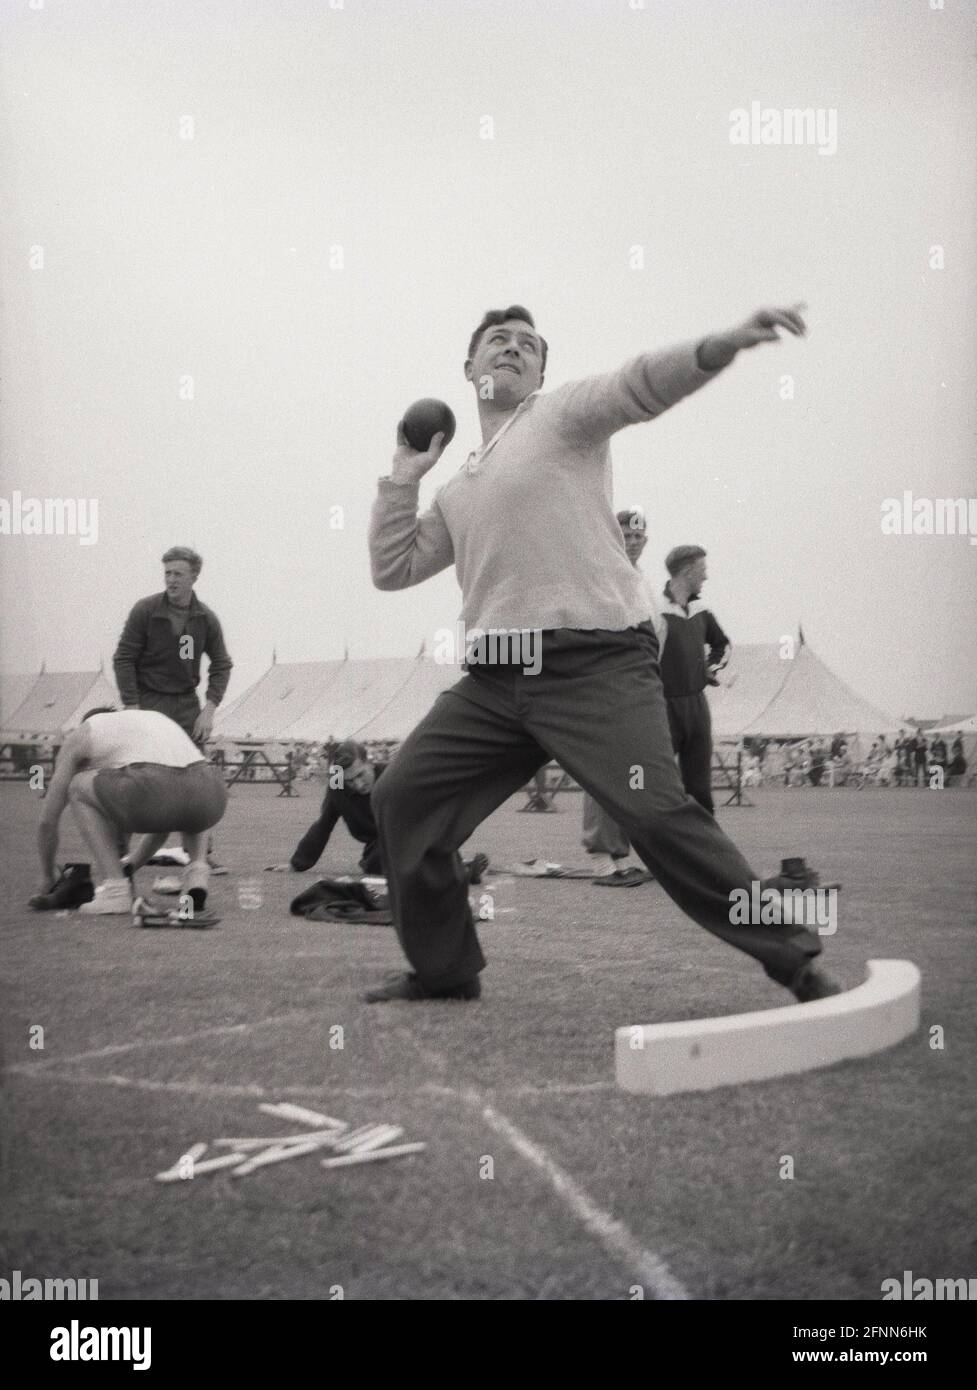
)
(542, 791)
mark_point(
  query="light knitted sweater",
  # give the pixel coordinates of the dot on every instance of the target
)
(528, 520)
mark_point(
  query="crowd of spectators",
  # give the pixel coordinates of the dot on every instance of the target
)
(308, 759)
(908, 760)
(313, 759)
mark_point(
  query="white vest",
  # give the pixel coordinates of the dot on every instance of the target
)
(139, 736)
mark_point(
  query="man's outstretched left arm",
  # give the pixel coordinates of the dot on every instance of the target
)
(648, 385)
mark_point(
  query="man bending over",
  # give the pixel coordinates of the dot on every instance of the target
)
(124, 772)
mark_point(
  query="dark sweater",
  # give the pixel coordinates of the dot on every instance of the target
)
(684, 664)
(148, 655)
(352, 807)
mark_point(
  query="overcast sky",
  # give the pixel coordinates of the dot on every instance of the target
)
(362, 127)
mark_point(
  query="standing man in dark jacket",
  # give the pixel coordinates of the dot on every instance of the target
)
(686, 670)
(157, 661)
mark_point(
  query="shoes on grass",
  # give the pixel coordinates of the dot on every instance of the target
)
(71, 888)
(794, 874)
(622, 878)
(812, 982)
(172, 857)
(408, 986)
(168, 883)
(113, 898)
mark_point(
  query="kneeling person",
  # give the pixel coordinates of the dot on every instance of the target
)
(131, 771)
(348, 801)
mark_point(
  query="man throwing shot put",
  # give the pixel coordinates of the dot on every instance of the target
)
(527, 523)
(126, 771)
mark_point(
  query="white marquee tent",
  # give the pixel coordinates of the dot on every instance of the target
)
(384, 697)
(53, 702)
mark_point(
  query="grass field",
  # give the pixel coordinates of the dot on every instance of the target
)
(154, 1040)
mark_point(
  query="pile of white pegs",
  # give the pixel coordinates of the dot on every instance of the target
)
(368, 1144)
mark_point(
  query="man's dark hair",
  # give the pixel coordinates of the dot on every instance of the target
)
(99, 709)
(347, 753)
(677, 559)
(184, 552)
(633, 519)
(493, 317)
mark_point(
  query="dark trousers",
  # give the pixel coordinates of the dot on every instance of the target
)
(310, 848)
(690, 723)
(601, 834)
(597, 707)
(182, 709)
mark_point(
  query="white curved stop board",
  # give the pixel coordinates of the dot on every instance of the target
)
(696, 1055)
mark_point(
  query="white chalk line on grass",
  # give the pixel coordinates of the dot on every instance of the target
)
(216, 1088)
(542, 1089)
(320, 1092)
(612, 1234)
(115, 1049)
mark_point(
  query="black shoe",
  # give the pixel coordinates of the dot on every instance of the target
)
(794, 874)
(408, 986)
(476, 867)
(812, 982)
(73, 887)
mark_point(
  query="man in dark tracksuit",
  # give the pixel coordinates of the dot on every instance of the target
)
(686, 670)
(348, 799)
(157, 661)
